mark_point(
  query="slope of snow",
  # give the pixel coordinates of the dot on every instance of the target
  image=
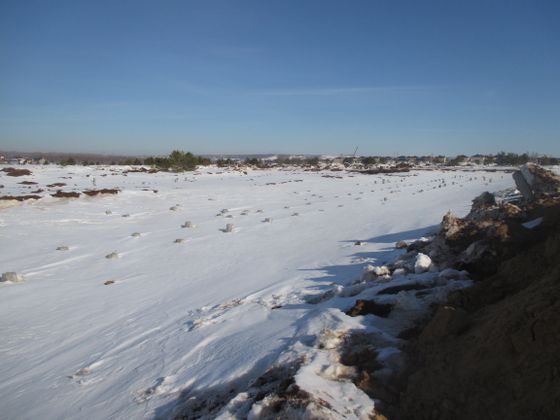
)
(210, 313)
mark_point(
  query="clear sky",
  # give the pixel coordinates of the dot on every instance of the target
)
(280, 76)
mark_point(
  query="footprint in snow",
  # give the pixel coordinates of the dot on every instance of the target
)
(81, 375)
(215, 314)
(163, 386)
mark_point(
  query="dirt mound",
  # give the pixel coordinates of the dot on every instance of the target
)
(16, 172)
(534, 181)
(493, 351)
(92, 193)
(494, 229)
(20, 197)
(62, 194)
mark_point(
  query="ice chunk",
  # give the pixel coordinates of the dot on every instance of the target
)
(422, 264)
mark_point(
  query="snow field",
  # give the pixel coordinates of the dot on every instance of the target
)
(211, 313)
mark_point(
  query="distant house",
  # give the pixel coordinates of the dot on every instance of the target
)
(477, 159)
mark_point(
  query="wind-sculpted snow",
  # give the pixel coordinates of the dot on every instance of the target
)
(113, 319)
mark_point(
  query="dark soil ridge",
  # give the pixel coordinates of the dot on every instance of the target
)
(89, 193)
(16, 172)
(493, 350)
(20, 197)
(92, 193)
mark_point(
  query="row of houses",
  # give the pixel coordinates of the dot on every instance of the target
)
(22, 161)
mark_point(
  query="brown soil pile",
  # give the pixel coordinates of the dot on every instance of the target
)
(493, 351)
(92, 193)
(62, 194)
(57, 184)
(20, 197)
(27, 183)
(16, 172)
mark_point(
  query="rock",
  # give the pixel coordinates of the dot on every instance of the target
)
(372, 272)
(136, 235)
(419, 244)
(450, 225)
(12, 277)
(267, 220)
(108, 282)
(381, 270)
(406, 261)
(62, 248)
(112, 256)
(422, 263)
(188, 224)
(108, 212)
(534, 181)
(522, 185)
(179, 241)
(229, 228)
(485, 199)
(542, 181)
(401, 245)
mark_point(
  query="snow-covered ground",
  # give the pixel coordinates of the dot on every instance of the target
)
(209, 314)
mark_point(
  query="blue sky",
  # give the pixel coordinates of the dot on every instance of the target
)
(264, 76)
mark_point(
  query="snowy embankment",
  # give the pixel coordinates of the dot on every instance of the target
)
(192, 323)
